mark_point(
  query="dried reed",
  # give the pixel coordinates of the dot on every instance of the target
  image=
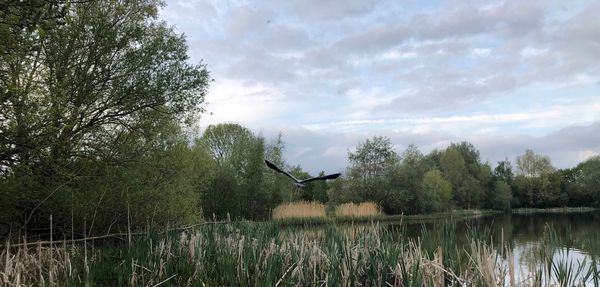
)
(363, 209)
(301, 209)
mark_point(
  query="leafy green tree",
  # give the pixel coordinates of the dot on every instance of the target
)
(504, 172)
(583, 183)
(276, 185)
(454, 170)
(372, 157)
(320, 188)
(471, 191)
(537, 184)
(501, 196)
(405, 183)
(370, 163)
(92, 92)
(437, 192)
(340, 191)
(530, 164)
(238, 185)
(470, 156)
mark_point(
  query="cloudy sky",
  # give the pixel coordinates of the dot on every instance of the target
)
(505, 75)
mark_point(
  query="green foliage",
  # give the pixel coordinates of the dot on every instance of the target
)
(93, 98)
(368, 174)
(504, 171)
(264, 254)
(533, 165)
(437, 192)
(405, 183)
(372, 157)
(501, 196)
(315, 191)
(582, 183)
(466, 188)
(237, 188)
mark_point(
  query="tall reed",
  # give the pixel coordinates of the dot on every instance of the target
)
(301, 209)
(259, 254)
(363, 209)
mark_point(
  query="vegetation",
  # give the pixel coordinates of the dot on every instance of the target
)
(455, 178)
(95, 97)
(98, 102)
(300, 209)
(363, 209)
(98, 105)
(261, 254)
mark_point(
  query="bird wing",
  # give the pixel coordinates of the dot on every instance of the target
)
(275, 168)
(330, 176)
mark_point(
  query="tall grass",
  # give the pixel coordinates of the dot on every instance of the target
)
(363, 209)
(262, 254)
(301, 209)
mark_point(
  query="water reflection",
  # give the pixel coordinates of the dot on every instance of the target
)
(575, 231)
(567, 241)
(533, 245)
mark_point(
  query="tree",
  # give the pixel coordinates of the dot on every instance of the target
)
(89, 81)
(453, 166)
(405, 183)
(239, 156)
(437, 192)
(276, 185)
(470, 155)
(501, 196)
(226, 142)
(369, 164)
(320, 188)
(533, 165)
(454, 170)
(91, 90)
(585, 182)
(537, 184)
(503, 171)
(372, 157)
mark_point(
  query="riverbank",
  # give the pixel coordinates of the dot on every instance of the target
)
(262, 254)
(553, 210)
(411, 218)
(399, 218)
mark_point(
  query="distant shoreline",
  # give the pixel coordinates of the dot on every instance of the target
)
(455, 214)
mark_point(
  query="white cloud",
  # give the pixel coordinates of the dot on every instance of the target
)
(233, 101)
(330, 73)
(532, 52)
(481, 52)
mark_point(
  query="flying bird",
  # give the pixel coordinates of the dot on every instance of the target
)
(301, 183)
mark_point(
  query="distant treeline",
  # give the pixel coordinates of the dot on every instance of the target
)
(456, 178)
(97, 105)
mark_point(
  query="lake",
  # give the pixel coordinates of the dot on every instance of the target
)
(575, 237)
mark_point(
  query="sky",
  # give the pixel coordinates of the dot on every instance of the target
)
(504, 75)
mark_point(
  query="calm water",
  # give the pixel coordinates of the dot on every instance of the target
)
(576, 236)
(578, 232)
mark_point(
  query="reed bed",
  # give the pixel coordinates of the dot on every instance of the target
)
(363, 209)
(301, 209)
(255, 254)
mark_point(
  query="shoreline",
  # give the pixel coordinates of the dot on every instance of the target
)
(401, 218)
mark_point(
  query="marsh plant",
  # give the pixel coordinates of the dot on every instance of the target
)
(300, 209)
(263, 254)
(363, 209)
